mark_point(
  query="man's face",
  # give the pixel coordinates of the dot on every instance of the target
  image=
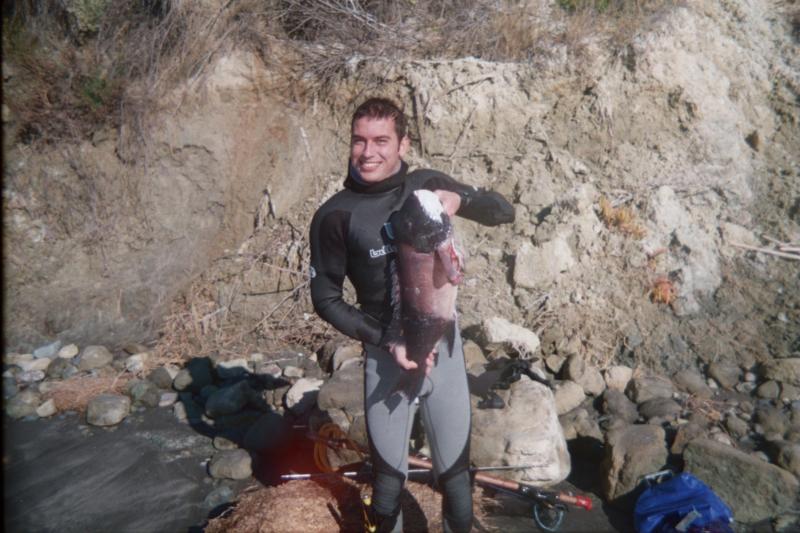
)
(375, 150)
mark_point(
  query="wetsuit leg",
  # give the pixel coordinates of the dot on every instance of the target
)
(445, 410)
(389, 422)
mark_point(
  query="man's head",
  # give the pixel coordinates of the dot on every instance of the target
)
(378, 139)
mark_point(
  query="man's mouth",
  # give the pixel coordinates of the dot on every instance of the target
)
(368, 166)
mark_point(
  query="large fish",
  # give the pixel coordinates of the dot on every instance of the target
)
(428, 269)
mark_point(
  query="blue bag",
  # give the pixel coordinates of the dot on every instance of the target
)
(682, 503)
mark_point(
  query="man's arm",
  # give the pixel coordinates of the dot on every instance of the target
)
(482, 206)
(328, 270)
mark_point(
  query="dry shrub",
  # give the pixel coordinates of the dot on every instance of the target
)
(620, 218)
(326, 504)
(73, 394)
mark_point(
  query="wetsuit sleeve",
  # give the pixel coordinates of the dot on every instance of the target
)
(483, 206)
(328, 270)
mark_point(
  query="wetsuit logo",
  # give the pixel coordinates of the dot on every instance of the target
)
(312, 272)
(383, 250)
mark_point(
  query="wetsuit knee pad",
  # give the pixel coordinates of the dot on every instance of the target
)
(386, 489)
(457, 502)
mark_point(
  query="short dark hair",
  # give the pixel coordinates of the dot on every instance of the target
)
(382, 108)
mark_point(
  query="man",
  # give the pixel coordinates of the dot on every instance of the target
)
(349, 238)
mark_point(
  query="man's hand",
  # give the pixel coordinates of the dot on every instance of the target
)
(450, 201)
(398, 351)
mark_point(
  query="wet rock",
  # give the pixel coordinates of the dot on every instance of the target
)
(769, 490)
(631, 452)
(233, 369)
(344, 390)
(46, 409)
(23, 404)
(587, 376)
(664, 408)
(645, 388)
(228, 400)
(49, 350)
(94, 357)
(107, 409)
(616, 404)
(303, 395)
(196, 375)
(726, 374)
(162, 376)
(269, 433)
(68, 352)
(499, 331)
(769, 390)
(568, 395)
(617, 377)
(344, 353)
(230, 464)
(526, 431)
(685, 434)
(691, 380)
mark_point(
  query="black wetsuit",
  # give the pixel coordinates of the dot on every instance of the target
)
(348, 238)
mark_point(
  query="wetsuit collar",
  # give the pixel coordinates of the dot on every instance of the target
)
(393, 181)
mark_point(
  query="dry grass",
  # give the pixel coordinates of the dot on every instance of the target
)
(620, 218)
(73, 394)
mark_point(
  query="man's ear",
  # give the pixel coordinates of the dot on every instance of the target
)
(405, 144)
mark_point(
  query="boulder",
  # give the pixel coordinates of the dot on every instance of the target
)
(107, 409)
(568, 395)
(231, 464)
(303, 395)
(525, 432)
(630, 453)
(94, 357)
(643, 388)
(499, 331)
(753, 489)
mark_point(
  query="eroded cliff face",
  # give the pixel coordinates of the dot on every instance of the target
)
(692, 128)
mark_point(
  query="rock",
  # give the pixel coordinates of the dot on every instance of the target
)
(269, 433)
(57, 367)
(499, 331)
(220, 496)
(616, 404)
(771, 419)
(233, 369)
(134, 348)
(18, 359)
(786, 455)
(268, 372)
(49, 351)
(786, 523)
(228, 400)
(690, 380)
(196, 375)
(23, 404)
(769, 490)
(578, 423)
(568, 395)
(230, 464)
(617, 377)
(48, 408)
(9, 388)
(737, 427)
(630, 453)
(784, 370)
(665, 408)
(257, 357)
(344, 353)
(587, 376)
(68, 352)
(726, 374)
(163, 376)
(344, 390)
(36, 365)
(135, 363)
(94, 357)
(789, 393)
(30, 376)
(685, 434)
(526, 431)
(540, 266)
(769, 390)
(554, 362)
(303, 395)
(291, 371)
(473, 356)
(167, 399)
(647, 387)
(222, 442)
(144, 392)
(107, 409)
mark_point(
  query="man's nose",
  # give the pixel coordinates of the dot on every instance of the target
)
(369, 148)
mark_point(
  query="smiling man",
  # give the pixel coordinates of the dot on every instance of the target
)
(350, 237)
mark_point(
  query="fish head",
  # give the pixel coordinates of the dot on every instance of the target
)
(422, 222)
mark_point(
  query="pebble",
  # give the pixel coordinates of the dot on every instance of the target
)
(48, 408)
(68, 352)
(49, 351)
